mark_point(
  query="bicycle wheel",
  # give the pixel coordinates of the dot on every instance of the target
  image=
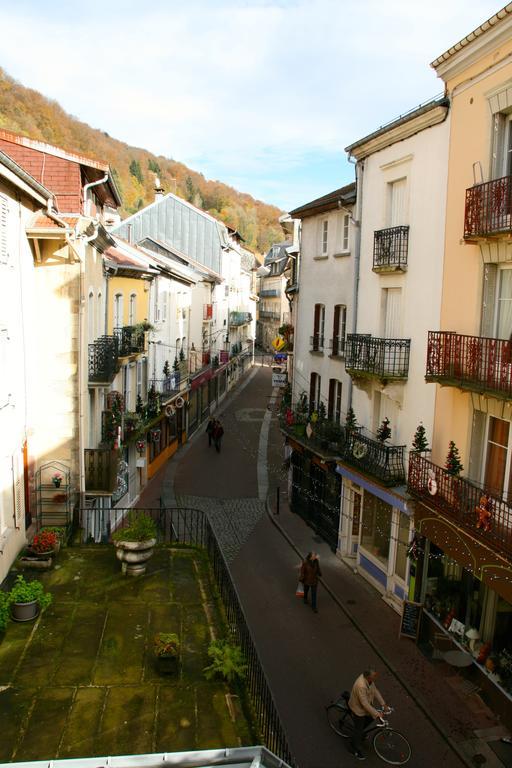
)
(391, 746)
(340, 721)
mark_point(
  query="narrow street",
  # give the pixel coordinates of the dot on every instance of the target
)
(308, 658)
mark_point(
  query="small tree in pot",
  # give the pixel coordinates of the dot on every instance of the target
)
(135, 543)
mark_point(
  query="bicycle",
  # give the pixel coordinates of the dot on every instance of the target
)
(390, 745)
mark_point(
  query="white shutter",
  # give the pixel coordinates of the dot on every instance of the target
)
(393, 313)
(489, 300)
(477, 446)
(398, 203)
(4, 255)
(17, 488)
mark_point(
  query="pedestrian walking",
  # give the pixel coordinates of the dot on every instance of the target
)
(309, 574)
(218, 431)
(209, 430)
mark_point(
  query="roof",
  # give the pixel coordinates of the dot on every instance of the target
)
(432, 111)
(180, 227)
(278, 254)
(22, 178)
(344, 195)
(476, 33)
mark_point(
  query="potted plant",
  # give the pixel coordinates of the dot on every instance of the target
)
(135, 543)
(44, 544)
(57, 479)
(166, 647)
(27, 598)
(227, 661)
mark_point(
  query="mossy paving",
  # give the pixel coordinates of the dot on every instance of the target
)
(82, 680)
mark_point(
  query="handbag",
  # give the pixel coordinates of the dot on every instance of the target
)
(299, 592)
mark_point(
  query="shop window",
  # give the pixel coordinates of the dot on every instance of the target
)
(376, 527)
(452, 592)
(401, 546)
(356, 513)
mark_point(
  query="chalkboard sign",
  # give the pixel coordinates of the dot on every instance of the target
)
(411, 617)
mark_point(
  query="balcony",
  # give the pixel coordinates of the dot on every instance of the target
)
(337, 346)
(390, 248)
(131, 340)
(270, 293)
(269, 315)
(100, 470)
(457, 499)
(207, 312)
(316, 343)
(168, 386)
(335, 442)
(239, 318)
(472, 363)
(488, 209)
(103, 360)
(370, 357)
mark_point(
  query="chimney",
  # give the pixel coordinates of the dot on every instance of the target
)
(159, 190)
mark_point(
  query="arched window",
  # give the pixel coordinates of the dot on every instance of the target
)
(132, 311)
(118, 310)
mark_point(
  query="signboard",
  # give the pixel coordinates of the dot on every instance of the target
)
(278, 343)
(279, 379)
(411, 618)
(280, 357)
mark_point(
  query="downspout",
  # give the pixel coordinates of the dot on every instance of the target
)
(359, 170)
(89, 186)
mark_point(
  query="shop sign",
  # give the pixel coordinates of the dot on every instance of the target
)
(279, 379)
(280, 357)
(411, 618)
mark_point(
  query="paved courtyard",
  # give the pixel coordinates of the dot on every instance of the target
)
(82, 679)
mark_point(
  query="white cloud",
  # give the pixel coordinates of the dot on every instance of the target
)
(234, 86)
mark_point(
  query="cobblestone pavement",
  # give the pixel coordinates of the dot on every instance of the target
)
(233, 520)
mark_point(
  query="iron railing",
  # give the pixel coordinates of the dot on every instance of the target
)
(366, 355)
(316, 343)
(349, 445)
(475, 363)
(167, 386)
(267, 292)
(459, 500)
(337, 346)
(192, 527)
(239, 318)
(103, 359)
(131, 340)
(390, 248)
(488, 208)
(269, 315)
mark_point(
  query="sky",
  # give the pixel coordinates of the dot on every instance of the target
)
(260, 94)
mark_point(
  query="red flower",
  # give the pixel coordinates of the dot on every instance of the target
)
(46, 541)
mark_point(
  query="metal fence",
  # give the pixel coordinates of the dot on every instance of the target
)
(390, 248)
(386, 358)
(191, 526)
(488, 208)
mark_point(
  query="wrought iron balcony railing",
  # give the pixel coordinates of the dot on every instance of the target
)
(488, 208)
(459, 500)
(474, 363)
(316, 343)
(131, 340)
(390, 248)
(367, 356)
(270, 292)
(269, 315)
(100, 470)
(239, 318)
(167, 386)
(337, 346)
(350, 446)
(103, 359)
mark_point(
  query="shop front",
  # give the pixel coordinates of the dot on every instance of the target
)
(466, 591)
(375, 531)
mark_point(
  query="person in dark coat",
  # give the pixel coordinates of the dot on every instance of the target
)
(209, 430)
(218, 431)
(309, 574)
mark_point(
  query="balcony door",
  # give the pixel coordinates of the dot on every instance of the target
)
(118, 310)
(392, 301)
(498, 457)
(503, 322)
(397, 215)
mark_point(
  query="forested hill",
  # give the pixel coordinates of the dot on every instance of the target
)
(29, 113)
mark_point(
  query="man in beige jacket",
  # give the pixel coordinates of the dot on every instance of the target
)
(364, 693)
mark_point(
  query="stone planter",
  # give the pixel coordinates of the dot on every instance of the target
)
(25, 611)
(134, 555)
(166, 665)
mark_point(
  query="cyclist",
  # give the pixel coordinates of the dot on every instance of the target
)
(364, 692)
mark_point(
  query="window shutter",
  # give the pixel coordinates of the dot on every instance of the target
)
(336, 325)
(332, 395)
(498, 135)
(488, 300)
(477, 446)
(4, 256)
(312, 389)
(316, 323)
(17, 487)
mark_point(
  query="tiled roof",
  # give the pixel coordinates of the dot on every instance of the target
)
(50, 149)
(346, 194)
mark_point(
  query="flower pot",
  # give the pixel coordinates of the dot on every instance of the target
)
(134, 555)
(56, 481)
(41, 555)
(25, 611)
(166, 665)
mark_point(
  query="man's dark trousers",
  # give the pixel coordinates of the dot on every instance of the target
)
(360, 723)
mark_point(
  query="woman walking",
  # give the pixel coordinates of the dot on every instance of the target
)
(309, 573)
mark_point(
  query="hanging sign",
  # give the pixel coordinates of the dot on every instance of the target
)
(279, 379)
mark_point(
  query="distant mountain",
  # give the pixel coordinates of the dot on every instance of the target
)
(29, 113)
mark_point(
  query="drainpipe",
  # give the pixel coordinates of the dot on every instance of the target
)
(359, 170)
(89, 186)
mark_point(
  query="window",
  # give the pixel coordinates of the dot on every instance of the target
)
(318, 328)
(339, 328)
(90, 317)
(334, 404)
(100, 315)
(502, 146)
(139, 379)
(314, 391)
(156, 312)
(132, 312)
(165, 299)
(343, 233)
(497, 477)
(392, 309)
(397, 205)
(118, 310)
(402, 543)
(324, 237)
(4, 206)
(376, 527)
(127, 387)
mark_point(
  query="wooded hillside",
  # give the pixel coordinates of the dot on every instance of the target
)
(29, 113)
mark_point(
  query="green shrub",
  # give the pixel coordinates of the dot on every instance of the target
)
(4, 610)
(227, 661)
(141, 527)
(27, 591)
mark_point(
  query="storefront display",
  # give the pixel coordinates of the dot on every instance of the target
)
(376, 527)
